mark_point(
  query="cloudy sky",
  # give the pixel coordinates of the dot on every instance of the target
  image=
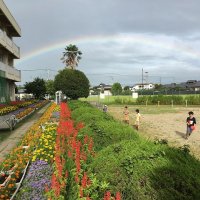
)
(117, 37)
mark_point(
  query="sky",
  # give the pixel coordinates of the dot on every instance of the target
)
(118, 38)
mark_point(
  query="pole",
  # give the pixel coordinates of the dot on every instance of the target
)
(142, 78)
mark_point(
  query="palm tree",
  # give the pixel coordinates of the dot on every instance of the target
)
(71, 56)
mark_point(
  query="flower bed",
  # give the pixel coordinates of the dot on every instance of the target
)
(37, 180)
(16, 161)
(14, 106)
(72, 155)
(7, 109)
(60, 163)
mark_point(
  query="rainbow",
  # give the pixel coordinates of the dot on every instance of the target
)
(163, 42)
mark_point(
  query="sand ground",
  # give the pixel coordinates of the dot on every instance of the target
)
(167, 124)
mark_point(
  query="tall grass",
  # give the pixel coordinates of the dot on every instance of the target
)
(147, 99)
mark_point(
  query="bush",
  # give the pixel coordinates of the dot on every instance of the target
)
(73, 83)
(143, 170)
(137, 168)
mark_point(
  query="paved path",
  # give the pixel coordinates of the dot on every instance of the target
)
(16, 135)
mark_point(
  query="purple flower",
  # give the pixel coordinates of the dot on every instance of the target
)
(37, 179)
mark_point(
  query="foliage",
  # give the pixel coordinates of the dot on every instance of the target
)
(71, 56)
(126, 88)
(73, 83)
(126, 92)
(137, 168)
(50, 87)
(163, 100)
(143, 170)
(116, 89)
(36, 87)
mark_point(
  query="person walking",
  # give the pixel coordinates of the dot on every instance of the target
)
(105, 108)
(138, 119)
(191, 123)
(126, 115)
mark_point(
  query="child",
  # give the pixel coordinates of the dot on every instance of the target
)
(105, 108)
(191, 122)
(126, 115)
(138, 119)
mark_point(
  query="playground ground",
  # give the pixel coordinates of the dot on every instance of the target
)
(164, 122)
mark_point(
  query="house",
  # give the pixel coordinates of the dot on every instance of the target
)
(8, 52)
(103, 88)
(195, 85)
(144, 86)
(192, 85)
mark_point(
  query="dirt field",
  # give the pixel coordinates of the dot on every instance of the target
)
(165, 123)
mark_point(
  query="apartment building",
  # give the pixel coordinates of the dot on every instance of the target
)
(9, 51)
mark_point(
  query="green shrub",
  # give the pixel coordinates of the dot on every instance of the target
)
(73, 83)
(102, 127)
(137, 168)
(142, 170)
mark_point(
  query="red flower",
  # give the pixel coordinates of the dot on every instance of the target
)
(84, 180)
(118, 196)
(107, 196)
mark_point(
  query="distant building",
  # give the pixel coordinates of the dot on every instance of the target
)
(192, 85)
(22, 95)
(8, 52)
(103, 88)
(140, 86)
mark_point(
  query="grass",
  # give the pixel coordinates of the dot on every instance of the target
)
(137, 168)
(121, 99)
(109, 99)
(145, 109)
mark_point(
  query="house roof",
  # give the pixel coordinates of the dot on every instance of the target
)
(195, 85)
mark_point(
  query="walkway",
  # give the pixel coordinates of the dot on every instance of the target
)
(16, 135)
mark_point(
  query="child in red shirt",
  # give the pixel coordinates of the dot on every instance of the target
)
(191, 122)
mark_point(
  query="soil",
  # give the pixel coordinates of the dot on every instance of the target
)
(167, 125)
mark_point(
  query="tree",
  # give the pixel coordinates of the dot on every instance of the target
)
(73, 83)
(158, 86)
(71, 56)
(116, 89)
(37, 87)
(126, 88)
(50, 87)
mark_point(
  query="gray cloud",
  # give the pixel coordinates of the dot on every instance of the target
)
(167, 36)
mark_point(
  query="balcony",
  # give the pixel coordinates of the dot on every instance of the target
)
(9, 44)
(10, 72)
(8, 19)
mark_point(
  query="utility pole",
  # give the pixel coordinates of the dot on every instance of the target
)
(146, 77)
(142, 79)
(48, 74)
